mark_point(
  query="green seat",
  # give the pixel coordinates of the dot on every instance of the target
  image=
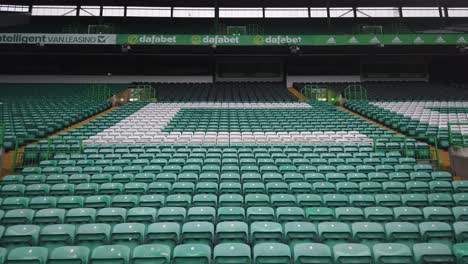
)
(69, 255)
(70, 202)
(440, 186)
(86, 189)
(441, 199)
(368, 233)
(11, 203)
(178, 200)
(361, 200)
(265, 231)
(144, 215)
(320, 214)
(111, 215)
(438, 213)
(312, 253)
(260, 214)
(232, 232)
(299, 232)
(409, 214)
(351, 253)
(110, 254)
(388, 200)
(415, 199)
(166, 233)
(26, 255)
(49, 216)
(257, 200)
(228, 253)
(53, 236)
(97, 201)
(202, 213)
(20, 235)
(18, 216)
(172, 214)
(460, 251)
(151, 254)
(124, 201)
(437, 232)
(402, 232)
(334, 232)
(230, 214)
(80, 215)
(349, 214)
(43, 202)
(152, 200)
(432, 253)
(391, 253)
(378, 214)
(460, 213)
(271, 253)
(192, 253)
(92, 235)
(335, 200)
(128, 234)
(417, 187)
(231, 200)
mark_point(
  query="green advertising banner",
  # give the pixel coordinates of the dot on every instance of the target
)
(234, 40)
(299, 40)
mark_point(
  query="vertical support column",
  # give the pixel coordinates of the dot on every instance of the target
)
(216, 17)
(78, 10)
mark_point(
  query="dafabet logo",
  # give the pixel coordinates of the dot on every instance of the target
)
(259, 40)
(132, 39)
(196, 40)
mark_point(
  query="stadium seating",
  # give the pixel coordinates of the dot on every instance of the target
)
(223, 92)
(239, 182)
(33, 111)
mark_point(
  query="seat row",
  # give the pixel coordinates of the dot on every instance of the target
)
(228, 253)
(115, 215)
(227, 160)
(435, 190)
(213, 177)
(134, 234)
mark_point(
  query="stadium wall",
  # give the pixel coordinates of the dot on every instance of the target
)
(323, 79)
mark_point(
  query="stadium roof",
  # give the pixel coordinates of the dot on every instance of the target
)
(248, 3)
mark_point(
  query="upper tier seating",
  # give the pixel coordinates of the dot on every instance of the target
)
(404, 91)
(426, 120)
(223, 92)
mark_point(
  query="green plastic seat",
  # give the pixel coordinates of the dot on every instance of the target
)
(257, 200)
(402, 232)
(53, 236)
(80, 215)
(388, 200)
(260, 214)
(49, 216)
(152, 200)
(312, 253)
(352, 253)
(460, 251)
(432, 253)
(97, 201)
(437, 232)
(192, 253)
(172, 214)
(361, 200)
(390, 253)
(410, 214)
(69, 255)
(232, 232)
(230, 214)
(299, 232)
(368, 233)
(265, 231)
(11, 203)
(144, 215)
(152, 253)
(438, 213)
(228, 253)
(110, 254)
(271, 253)
(335, 200)
(128, 234)
(18, 216)
(378, 214)
(415, 199)
(26, 255)
(166, 233)
(320, 214)
(202, 213)
(92, 235)
(70, 202)
(334, 232)
(231, 200)
(124, 201)
(20, 235)
(42, 202)
(349, 214)
(111, 215)
(178, 200)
